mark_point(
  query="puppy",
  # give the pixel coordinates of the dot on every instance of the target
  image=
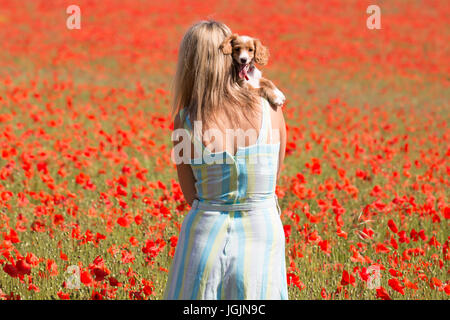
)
(245, 52)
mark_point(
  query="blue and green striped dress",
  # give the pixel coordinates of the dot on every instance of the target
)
(231, 243)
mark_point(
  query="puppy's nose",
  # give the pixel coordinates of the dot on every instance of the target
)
(243, 60)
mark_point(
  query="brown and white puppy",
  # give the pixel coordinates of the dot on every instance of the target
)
(246, 51)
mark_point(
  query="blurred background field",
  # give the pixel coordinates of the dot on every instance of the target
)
(85, 172)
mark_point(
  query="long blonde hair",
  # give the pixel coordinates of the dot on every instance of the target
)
(205, 79)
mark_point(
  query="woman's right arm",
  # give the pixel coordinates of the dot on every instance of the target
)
(283, 137)
(185, 175)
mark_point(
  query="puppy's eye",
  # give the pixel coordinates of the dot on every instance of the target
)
(250, 50)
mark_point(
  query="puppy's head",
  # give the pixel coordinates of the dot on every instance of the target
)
(245, 49)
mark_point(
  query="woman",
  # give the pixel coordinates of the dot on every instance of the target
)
(231, 243)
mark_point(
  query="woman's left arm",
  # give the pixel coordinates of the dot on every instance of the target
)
(185, 175)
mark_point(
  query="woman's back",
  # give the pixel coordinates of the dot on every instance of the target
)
(248, 174)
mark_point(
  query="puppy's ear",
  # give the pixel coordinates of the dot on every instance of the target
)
(226, 46)
(261, 53)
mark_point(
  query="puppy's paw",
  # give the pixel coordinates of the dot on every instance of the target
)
(279, 98)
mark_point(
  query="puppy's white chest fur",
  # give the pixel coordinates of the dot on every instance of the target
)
(253, 77)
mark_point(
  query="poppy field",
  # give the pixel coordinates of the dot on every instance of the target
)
(88, 188)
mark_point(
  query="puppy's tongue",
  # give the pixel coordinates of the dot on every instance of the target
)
(243, 69)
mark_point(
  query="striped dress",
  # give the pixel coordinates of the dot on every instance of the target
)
(231, 243)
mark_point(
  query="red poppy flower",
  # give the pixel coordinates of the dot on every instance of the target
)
(23, 267)
(11, 270)
(96, 296)
(347, 278)
(396, 285)
(392, 226)
(383, 294)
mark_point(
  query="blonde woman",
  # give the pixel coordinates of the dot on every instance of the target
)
(228, 146)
